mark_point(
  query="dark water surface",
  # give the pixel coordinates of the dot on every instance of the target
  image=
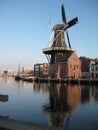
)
(73, 107)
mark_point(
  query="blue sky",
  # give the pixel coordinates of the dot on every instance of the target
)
(25, 29)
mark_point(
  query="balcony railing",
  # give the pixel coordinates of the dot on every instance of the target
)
(57, 49)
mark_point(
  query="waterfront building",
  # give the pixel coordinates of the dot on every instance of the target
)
(63, 60)
(41, 70)
(96, 68)
(69, 68)
(89, 67)
(7, 73)
(27, 70)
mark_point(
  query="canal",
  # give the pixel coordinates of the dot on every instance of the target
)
(70, 106)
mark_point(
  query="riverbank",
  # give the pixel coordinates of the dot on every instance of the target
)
(67, 81)
(92, 81)
(10, 124)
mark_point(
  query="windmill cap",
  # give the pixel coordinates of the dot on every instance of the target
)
(59, 27)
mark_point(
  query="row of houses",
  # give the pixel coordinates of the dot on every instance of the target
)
(89, 67)
(74, 68)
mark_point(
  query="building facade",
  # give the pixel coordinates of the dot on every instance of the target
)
(26, 70)
(41, 70)
(71, 68)
(89, 67)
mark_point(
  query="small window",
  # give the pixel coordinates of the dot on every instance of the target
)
(70, 66)
(74, 67)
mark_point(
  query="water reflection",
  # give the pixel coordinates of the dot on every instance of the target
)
(41, 88)
(53, 104)
(62, 103)
(7, 80)
(89, 93)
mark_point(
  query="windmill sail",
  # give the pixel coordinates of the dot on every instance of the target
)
(65, 22)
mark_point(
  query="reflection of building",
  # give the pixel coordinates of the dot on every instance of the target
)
(74, 96)
(8, 80)
(26, 84)
(85, 94)
(41, 88)
(89, 93)
(62, 102)
(57, 108)
(89, 67)
(41, 70)
(93, 93)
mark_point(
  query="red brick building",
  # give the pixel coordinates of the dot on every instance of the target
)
(74, 66)
(70, 68)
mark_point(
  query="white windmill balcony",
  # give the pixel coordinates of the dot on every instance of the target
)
(56, 49)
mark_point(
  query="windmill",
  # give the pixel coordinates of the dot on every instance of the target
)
(58, 51)
(60, 55)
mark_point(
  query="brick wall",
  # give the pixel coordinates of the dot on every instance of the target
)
(74, 66)
(67, 69)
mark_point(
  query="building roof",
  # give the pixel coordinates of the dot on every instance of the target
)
(88, 59)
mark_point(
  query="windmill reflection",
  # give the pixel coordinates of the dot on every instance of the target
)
(63, 101)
